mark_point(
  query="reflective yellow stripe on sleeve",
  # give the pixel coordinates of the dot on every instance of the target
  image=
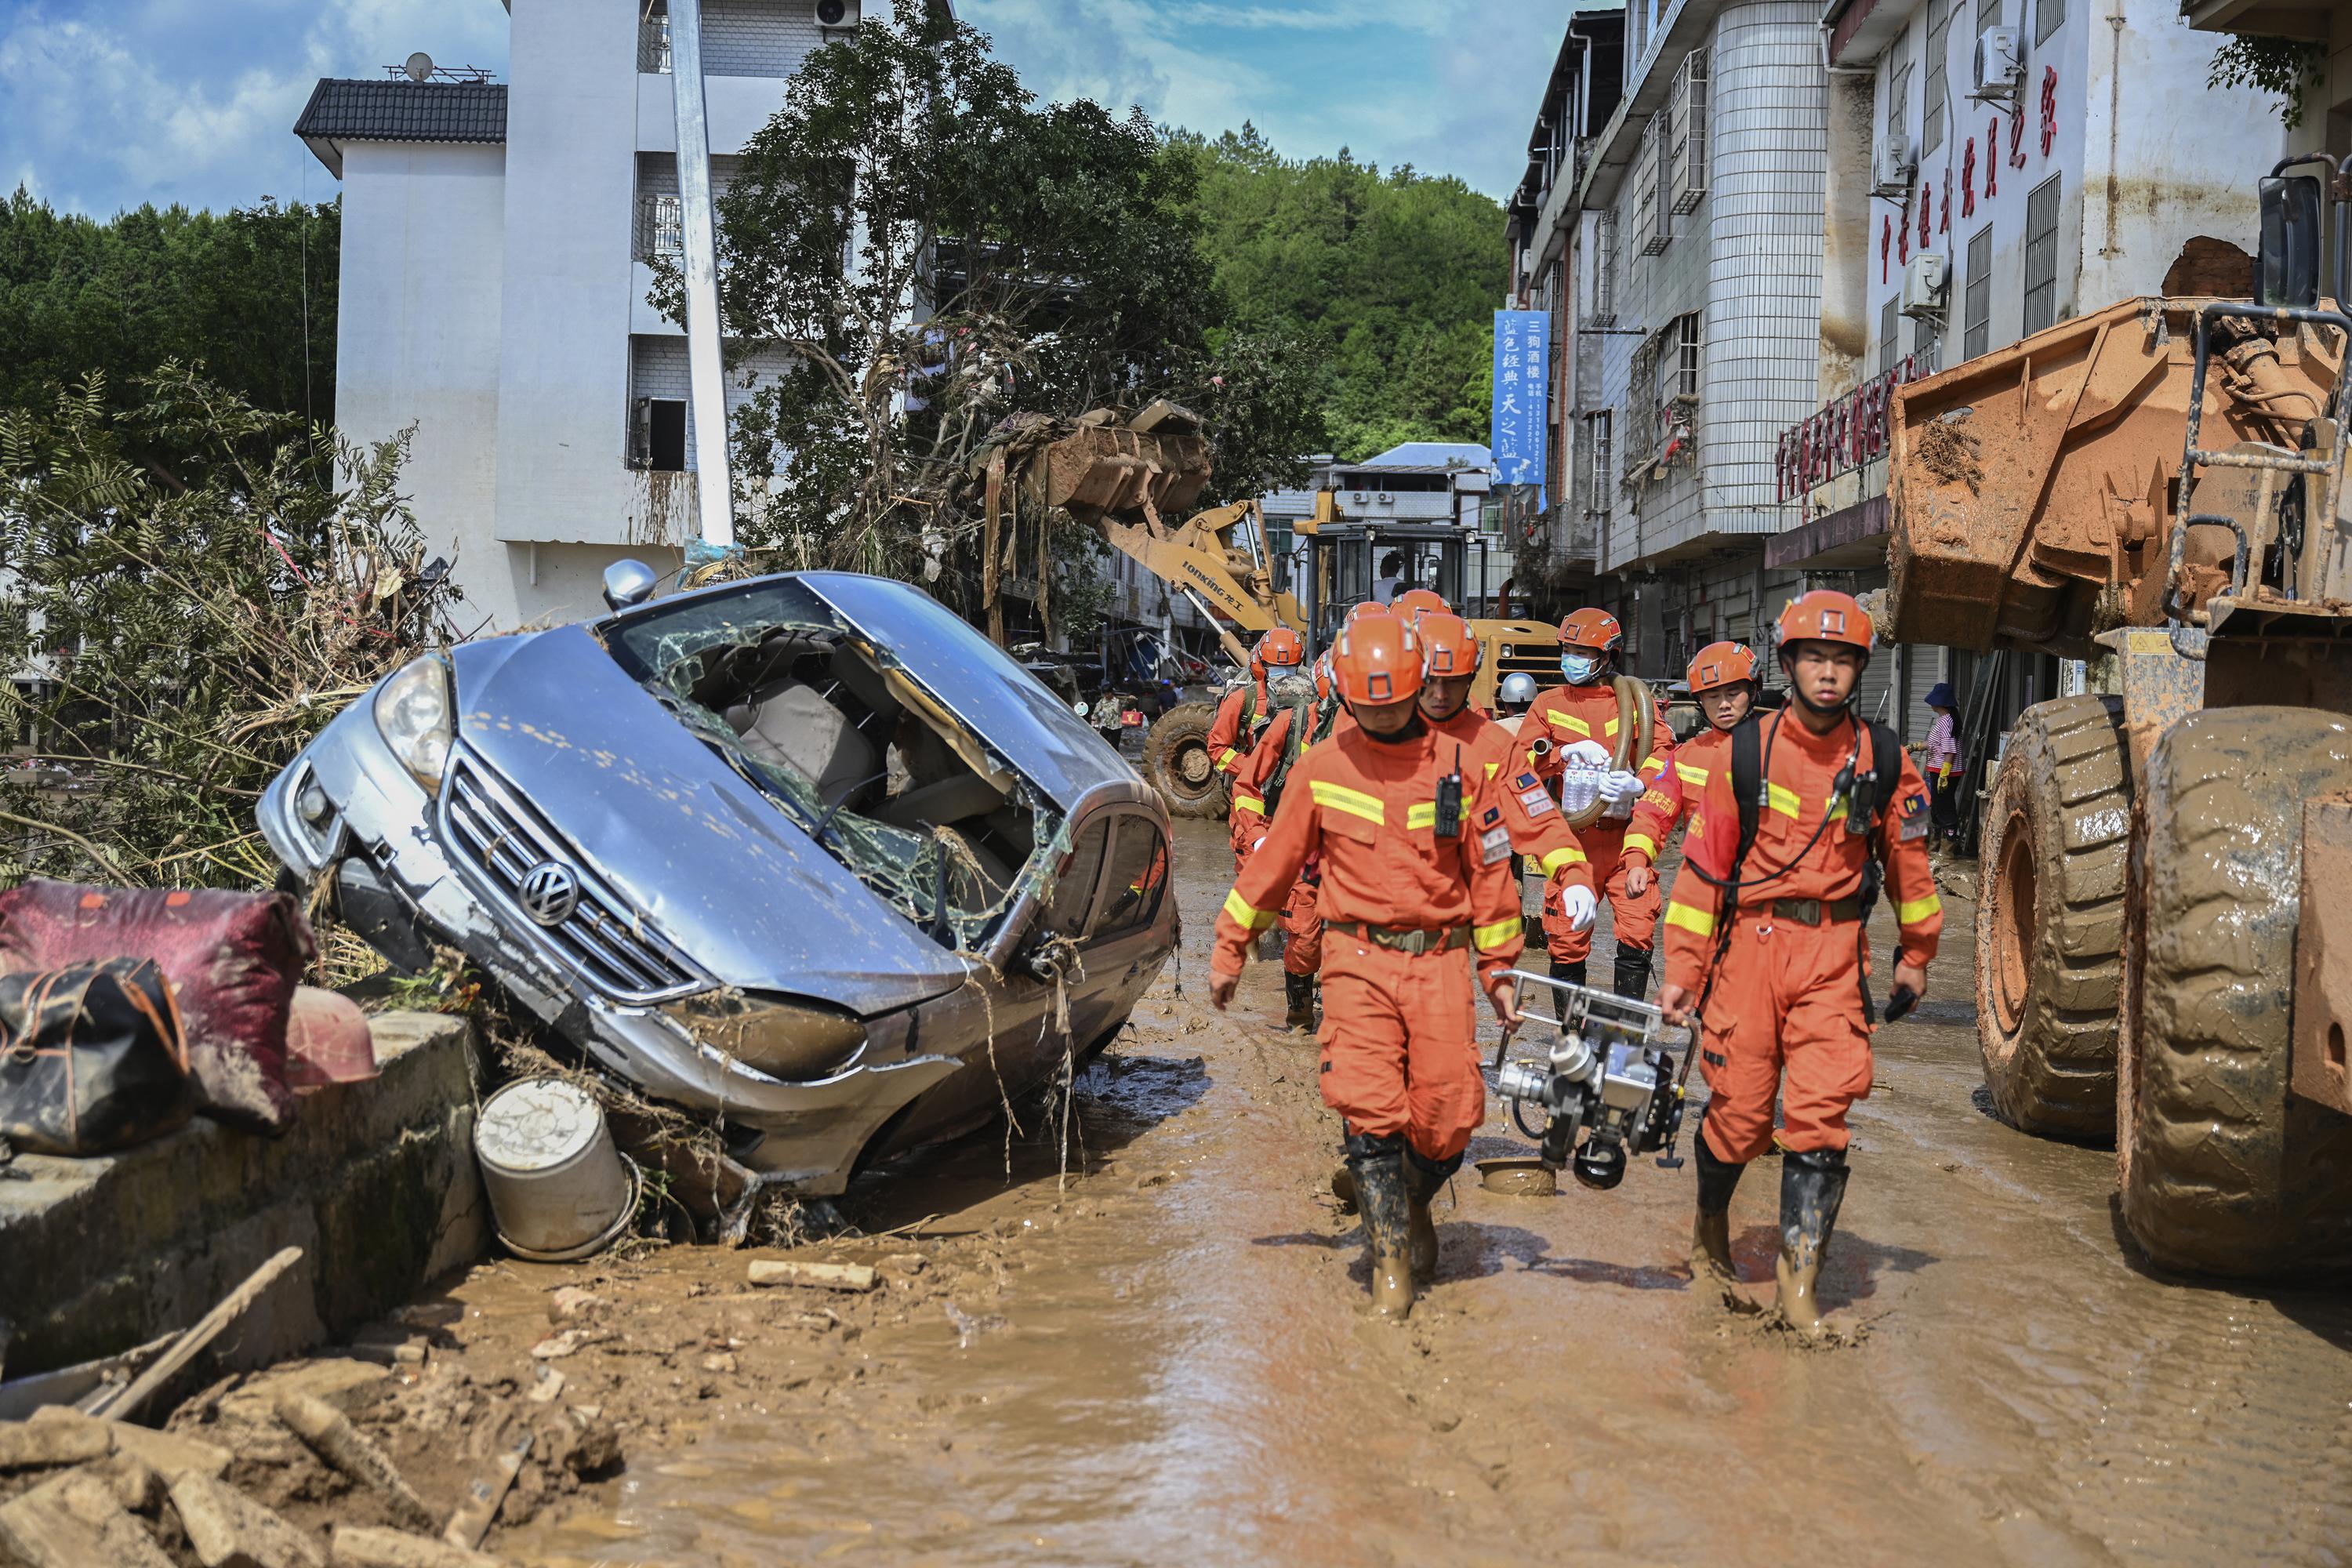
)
(1248, 803)
(1694, 777)
(1494, 935)
(1698, 922)
(1655, 761)
(1643, 842)
(1354, 802)
(1552, 862)
(1917, 909)
(1785, 800)
(1226, 758)
(1609, 727)
(1569, 721)
(1245, 916)
(1422, 815)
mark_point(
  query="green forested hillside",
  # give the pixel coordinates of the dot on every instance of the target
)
(1395, 276)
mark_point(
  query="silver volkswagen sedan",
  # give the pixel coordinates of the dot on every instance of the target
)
(804, 853)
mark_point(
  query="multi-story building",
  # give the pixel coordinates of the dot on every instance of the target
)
(497, 254)
(1996, 166)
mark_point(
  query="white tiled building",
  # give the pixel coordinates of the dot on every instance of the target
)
(496, 246)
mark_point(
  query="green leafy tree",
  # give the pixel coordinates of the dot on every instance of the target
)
(250, 294)
(935, 251)
(1393, 277)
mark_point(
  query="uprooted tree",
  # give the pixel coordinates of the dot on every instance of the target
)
(192, 594)
(934, 253)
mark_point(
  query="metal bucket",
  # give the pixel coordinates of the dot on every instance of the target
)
(558, 1187)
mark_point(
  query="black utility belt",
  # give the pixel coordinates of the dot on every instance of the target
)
(1810, 912)
(1413, 939)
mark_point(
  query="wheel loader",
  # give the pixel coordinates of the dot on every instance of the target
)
(2164, 930)
(1122, 476)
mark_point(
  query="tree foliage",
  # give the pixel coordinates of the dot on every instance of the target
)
(194, 598)
(2284, 67)
(935, 251)
(1394, 277)
(250, 294)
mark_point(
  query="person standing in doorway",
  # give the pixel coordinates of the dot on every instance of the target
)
(1945, 766)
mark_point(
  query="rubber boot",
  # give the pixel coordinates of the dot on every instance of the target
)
(1571, 972)
(1378, 1165)
(1423, 1179)
(1710, 1258)
(1812, 1186)
(1632, 977)
(1298, 990)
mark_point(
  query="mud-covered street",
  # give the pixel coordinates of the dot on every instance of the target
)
(1165, 1357)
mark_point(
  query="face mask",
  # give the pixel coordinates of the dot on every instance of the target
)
(1580, 667)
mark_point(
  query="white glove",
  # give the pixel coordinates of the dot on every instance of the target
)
(1620, 788)
(1576, 902)
(1577, 789)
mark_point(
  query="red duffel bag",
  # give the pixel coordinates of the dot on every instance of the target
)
(232, 959)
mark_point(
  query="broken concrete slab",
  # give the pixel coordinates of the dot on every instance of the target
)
(71, 1438)
(375, 1182)
(367, 1548)
(168, 1454)
(330, 1434)
(75, 1520)
(227, 1528)
(344, 1382)
(849, 1277)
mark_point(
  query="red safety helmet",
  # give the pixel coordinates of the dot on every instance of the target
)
(1378, 660)
(1721, 664)
(1446, 646)
(1282, 648)
(1595, 631)
(1323, 677)
(1415, 603)
(1825, 615)
(1364, 612)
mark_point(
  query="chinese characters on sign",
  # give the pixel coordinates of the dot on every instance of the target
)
(1522, 362)
(1847, 433)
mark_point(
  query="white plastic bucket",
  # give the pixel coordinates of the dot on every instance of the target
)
(558, 1187)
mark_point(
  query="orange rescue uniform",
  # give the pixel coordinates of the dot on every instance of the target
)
(1302, 926)
(1229, 740)
(1398, 1053)
(1663, 806)
(1565, 715)
(1788, 998)
(1538, 829)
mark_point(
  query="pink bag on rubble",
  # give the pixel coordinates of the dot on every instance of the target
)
(232, 961)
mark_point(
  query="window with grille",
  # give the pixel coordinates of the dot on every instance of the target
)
(1651, 223)
(1976, 296)
(1890, 334)
(2047, 15)
(1687, 133)
(1931, 111)
(1678, 366)
(1604, 273)
(1898, 99)
(1604, 474)
(2041, 255)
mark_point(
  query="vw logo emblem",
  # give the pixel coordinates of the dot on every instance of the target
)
(549, 892)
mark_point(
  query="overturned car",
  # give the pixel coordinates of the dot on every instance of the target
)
(804, 852)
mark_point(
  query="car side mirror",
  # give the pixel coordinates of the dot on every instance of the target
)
(2287, 271)
(629, 582)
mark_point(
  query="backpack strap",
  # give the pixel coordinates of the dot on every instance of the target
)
(1874, 791)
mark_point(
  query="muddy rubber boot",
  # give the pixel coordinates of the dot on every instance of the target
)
(1571, 972)
(1812, 1186)
(1425, 1178)
(1299, 991)
(1710, 1257)
(1378, 1165)
(1632, 977)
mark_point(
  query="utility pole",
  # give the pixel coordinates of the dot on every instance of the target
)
(706, 374)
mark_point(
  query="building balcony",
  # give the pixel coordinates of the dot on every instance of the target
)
(1847, 434)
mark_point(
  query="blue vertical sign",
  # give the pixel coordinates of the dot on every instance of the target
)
(1522, 364)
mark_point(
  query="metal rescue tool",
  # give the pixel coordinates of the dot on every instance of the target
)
(1611, 1074)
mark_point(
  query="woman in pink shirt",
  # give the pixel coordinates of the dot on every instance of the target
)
(1944, 765)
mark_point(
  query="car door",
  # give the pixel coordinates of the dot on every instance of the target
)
(1127, 942)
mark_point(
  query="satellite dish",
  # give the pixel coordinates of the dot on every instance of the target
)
(419, 66)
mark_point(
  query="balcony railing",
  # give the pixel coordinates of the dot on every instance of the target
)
(1848, 432)
(661, 226)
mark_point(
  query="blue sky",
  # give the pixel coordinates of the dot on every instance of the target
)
(108, 103)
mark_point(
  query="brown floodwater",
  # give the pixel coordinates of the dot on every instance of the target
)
(1163, 1358)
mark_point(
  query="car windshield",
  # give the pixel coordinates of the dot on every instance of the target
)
(859, 756)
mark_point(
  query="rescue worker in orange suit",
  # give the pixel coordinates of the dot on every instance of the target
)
(1301, 718)
(1722, 681)
(1240, 716)
(1774, 964)
(1585, 711)
(1417, 888)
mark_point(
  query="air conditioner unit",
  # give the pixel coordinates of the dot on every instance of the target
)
(1923, 286)
(1890, 175)
(2000, 65)
(1359, 497)
(1387, 500)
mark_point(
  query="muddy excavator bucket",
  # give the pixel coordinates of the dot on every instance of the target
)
(1152, 466)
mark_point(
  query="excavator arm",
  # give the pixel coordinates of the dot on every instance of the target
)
(1200, 558)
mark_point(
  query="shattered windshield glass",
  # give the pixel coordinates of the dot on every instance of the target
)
(863, 759)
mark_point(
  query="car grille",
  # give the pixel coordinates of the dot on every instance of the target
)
(603, 941)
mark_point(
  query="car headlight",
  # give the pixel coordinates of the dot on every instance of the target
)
(416, 717)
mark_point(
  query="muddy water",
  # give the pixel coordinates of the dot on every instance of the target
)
(1164, 1360)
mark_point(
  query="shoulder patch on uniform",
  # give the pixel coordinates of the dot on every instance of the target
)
(1913, 804)
(1493, 815)
(1526, 780)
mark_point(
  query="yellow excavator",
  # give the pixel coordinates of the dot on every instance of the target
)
(1124, 476)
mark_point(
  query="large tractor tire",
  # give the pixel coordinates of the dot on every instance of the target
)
(2225, 1170)
(2049, 917)
(1176, 759)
